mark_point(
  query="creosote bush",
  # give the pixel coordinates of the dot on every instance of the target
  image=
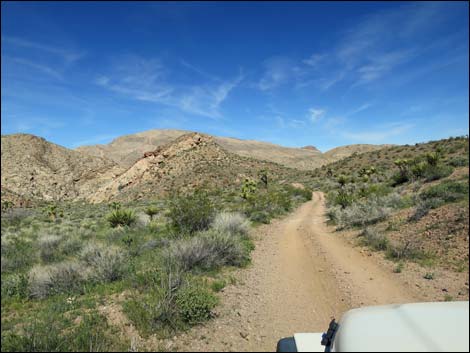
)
(195, 304)
(191, 213)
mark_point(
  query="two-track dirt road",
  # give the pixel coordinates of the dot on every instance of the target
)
(302, 275)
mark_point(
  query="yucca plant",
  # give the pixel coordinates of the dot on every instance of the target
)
(115, 205)
(52, 211)
(121, 217)
(151, 211)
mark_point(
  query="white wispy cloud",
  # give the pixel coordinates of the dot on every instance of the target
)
(147, 80)
(66, 54)
(45, 69)
(359, 109)
(314, 60)
(278, 71)
(316, 114)
(375, 47)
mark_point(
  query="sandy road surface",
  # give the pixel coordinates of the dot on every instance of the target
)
(302, 275)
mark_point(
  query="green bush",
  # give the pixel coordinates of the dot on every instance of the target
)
(437, 172)
(15, 286)
(17, 254)
(195, 304)
(305, 194)
(192, 213)
(217, 286)
(459, 162)
(260, 217)
(49, 333)
(343, 198)
(121, 217)
(448, 191)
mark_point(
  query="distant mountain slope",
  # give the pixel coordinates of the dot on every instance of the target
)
(126, 150)
(337, 153)
(34, 168)
(190, 161)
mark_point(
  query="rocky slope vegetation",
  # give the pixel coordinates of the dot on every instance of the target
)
(33, 168)
(126, 150)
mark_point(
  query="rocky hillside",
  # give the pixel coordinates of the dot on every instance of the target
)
(410, 206)
(33, 168)
(126, 150)
(190, 161)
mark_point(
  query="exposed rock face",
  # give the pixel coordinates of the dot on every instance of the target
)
(34, 168)
(311, 148)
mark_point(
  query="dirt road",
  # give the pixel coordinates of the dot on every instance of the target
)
(302, 275)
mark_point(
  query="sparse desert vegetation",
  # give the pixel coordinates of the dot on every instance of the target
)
(162, 260)
(62, 261)
(410, 209)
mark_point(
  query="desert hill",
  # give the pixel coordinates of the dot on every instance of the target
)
(34, 168)
(126, 150)
(191, 161)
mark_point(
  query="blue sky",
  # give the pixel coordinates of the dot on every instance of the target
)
(294, 73)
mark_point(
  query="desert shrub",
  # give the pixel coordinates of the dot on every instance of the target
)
(374, 190)
(231, 223)
(448, 191)
(17, 254)
(192, 213)
(361, 213)
(372, 238)
(71, 245)
(459, 162)
(407, 250)
(121, 217)
(424, 206)
(209, 250)
(195, 304)
(108, 264)
(260, 217)
(305, 193)
(64, 277)
(15, 216)
(49, 248)
(15, 286)
(45, 332)
(418, 169)
(343, 198)
(437, 172)
(157, 309)
(217, 286)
